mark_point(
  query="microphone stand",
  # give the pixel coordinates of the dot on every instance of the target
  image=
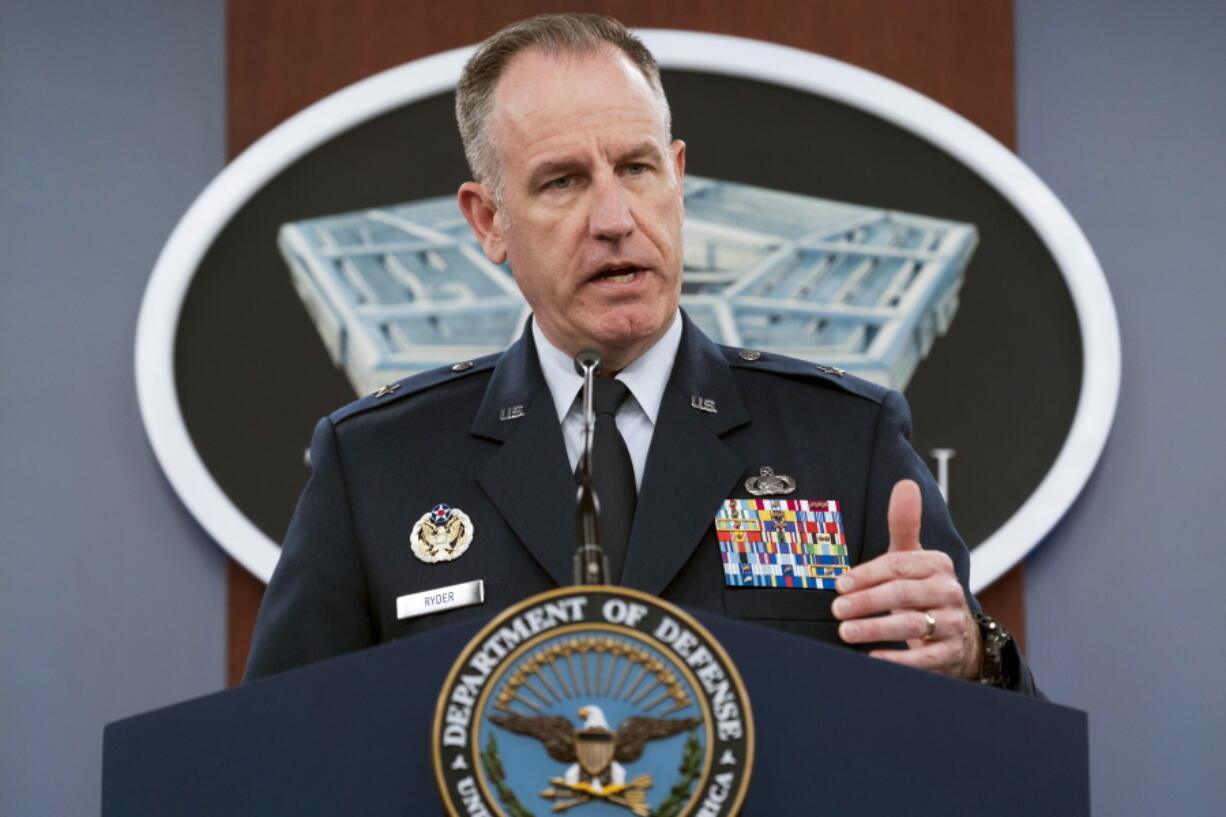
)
(591, 564)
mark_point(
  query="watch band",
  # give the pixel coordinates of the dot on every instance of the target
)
(995, 669)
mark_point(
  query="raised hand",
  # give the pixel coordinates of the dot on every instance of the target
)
(918, 591)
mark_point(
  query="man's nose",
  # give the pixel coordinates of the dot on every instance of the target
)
(610, 218)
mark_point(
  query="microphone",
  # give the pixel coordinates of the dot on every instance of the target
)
(587, 359)
(591, 563)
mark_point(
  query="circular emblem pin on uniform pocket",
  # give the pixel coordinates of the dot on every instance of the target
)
(442, 534)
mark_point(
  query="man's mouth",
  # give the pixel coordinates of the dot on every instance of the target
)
(621, 274)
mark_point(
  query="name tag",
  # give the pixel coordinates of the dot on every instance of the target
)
(440, 599)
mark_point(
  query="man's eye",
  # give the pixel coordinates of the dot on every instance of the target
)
(560, 183)
(636, 169)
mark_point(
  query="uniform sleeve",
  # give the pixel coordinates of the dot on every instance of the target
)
(316, 603)
(893, 459)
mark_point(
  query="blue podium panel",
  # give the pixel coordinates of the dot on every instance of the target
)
(837, 734)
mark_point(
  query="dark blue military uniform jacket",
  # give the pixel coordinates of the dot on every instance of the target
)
(380, 463)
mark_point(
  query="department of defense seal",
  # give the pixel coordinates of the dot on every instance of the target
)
(596, 699)
(443, 533)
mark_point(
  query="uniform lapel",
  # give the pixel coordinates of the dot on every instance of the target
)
(690, 470)
(529, 479)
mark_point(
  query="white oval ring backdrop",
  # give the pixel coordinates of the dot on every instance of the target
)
(708, 53)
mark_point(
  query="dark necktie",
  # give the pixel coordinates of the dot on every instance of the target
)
(612, 474)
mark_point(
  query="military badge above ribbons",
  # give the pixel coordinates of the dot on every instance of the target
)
(443, 533)
(781, 542)
(597, 699)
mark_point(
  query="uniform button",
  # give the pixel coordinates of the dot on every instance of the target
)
(462, 366)
(750, 354)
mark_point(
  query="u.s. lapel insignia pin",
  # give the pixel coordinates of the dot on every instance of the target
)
(768, 483)
(443, 533)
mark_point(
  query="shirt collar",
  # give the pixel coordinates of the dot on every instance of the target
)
(646, 376)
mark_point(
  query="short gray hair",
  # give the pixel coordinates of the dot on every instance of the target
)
(571, 33)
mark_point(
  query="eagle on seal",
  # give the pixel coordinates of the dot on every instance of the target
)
(596, 753)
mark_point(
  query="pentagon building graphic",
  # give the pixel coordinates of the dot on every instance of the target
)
(405, 288)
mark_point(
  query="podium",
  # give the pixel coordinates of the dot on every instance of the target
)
(837, 733)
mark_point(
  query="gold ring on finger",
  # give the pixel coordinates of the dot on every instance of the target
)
(931, 625)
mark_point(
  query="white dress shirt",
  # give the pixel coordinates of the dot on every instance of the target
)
(646, 378)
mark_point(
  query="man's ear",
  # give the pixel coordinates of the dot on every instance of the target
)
(480, 208)
(678, 151)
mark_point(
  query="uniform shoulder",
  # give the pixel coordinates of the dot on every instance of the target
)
(832, 376)
(415, 384)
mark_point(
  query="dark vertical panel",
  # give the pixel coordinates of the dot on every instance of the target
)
(284, 55)
(244, 593)
(1006, 600)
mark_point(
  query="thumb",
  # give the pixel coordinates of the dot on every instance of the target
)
(903, 516)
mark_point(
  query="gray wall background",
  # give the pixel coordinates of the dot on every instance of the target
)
(112, 598)
(1121, 111)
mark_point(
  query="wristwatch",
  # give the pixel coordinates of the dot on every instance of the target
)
(996, 666)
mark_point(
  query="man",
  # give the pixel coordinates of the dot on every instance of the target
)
(578, 184)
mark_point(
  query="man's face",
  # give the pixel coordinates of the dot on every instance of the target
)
(591, 208)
